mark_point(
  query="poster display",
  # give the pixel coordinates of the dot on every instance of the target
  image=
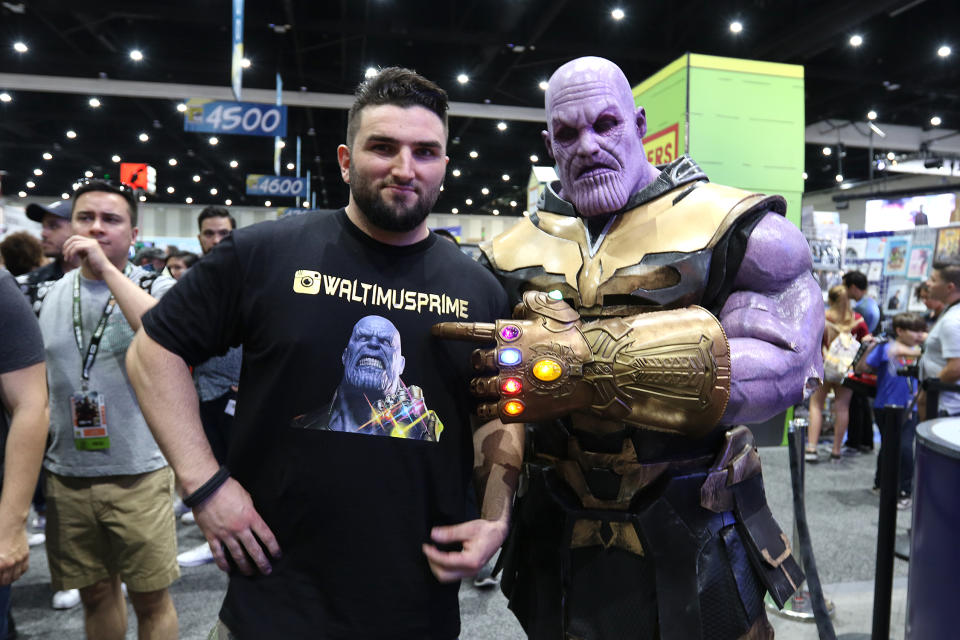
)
(896, 258)
(920, 259)
(948, 245)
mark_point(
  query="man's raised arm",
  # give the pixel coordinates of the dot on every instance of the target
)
(169, 403)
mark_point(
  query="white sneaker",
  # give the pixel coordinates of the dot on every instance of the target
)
(66, 599)
(196, 556)
(34, 539)
(188, 518)
(179, 508)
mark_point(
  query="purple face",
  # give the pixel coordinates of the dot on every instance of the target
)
(372, 360)
(595, 135)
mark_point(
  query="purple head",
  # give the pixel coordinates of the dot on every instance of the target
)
(595, 135)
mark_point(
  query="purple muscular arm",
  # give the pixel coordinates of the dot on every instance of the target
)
(774, 321)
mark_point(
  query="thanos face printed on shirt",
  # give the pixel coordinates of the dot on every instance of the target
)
(371, 398)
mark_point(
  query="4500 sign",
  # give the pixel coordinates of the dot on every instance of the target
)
(243, 118)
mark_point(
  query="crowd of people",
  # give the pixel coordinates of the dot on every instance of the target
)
(890, 349)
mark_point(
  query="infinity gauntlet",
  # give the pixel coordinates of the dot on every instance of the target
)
(664, 370)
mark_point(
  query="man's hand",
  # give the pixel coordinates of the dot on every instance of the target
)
(230, 522)
(14, 554)
(84, 251)
(480, 540)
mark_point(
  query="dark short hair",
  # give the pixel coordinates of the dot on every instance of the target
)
(446, 234)
(857, 279)
(909, 322)
(21, 252)
(921, 289)
(399, 87)
(189, 258)
(122, 190)
(215, 211)
(949, 272)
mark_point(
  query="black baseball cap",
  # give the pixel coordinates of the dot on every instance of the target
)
(60, 208)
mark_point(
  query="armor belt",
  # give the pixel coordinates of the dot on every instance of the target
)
(696, 500)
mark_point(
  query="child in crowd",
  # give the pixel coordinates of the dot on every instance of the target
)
(896, 390)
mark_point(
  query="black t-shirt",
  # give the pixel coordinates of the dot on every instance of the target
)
(320, 307)
(21, 344)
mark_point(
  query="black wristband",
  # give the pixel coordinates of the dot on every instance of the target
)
(207, 488)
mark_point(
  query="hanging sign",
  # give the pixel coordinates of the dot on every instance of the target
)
(240, 118)
(236, 54)
(263, 185)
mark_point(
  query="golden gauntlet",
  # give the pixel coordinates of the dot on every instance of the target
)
(664, 370)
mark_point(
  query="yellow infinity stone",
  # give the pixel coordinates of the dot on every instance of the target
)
(547, 370)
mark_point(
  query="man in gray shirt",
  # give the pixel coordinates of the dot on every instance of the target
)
(941, 353)
(109, 488)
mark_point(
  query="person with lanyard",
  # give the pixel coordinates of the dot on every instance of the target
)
(941, 354)
(109, 489)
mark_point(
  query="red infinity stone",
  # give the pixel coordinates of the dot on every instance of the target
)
(511, 386)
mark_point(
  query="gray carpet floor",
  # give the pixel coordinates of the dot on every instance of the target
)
(842, 514)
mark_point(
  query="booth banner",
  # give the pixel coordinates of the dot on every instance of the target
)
(239, 118)
(663, 146)
(263, 185)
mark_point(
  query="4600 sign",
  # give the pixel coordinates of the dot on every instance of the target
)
(262, 185)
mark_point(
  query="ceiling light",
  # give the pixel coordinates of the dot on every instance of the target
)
(513, 203)
(88, 174)
(71, 134)
(281, 144)
(245, 63)
(76, 185)
(170, 189)
(172, 162)
(455, 173)
(736, 27)
(143, 137)
(213, 140)
(31, 184)
(534, 158)
(196, 178)
(22, 194)
(181, 107)
(804, 175)
(936, 121)
(371, 72)
(115, 158)
(474, 155)
(143, 198)
(5, 97)
(827, 151)
(468, 201)
(856, 40)
(213, 191)
(20, 47)
(463, 78)
(94, 102)
(891, 155)
(505, 177)
(47, 155)
(485, 191)
(871, 115)
(617, 14)
(944, 51)
(38, 172)
(881, 165)
(136, 55)
(228, 202)
(266, 203)
(495, 212)
(65, 195)
(234, 164)
(838, 177)
(291, 166)
(544, 85)
(441, 187)
(188, 200)
(454, 210)
(502, 126)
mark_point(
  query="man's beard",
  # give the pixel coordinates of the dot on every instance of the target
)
(601, 194)
(396, 217)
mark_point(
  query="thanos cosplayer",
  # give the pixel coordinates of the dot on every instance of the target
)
(656, 313)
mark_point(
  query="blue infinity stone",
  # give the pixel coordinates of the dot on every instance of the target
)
(509, 357)
(555, 295)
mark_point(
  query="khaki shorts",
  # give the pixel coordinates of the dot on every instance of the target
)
(112, 525)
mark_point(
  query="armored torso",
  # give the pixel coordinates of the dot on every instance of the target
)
(660, 252)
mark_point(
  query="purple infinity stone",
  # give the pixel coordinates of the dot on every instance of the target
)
(510, 332)
(509, 357)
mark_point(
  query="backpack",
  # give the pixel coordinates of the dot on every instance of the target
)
(839, 356)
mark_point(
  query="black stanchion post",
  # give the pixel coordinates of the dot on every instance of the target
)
(887, 525)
